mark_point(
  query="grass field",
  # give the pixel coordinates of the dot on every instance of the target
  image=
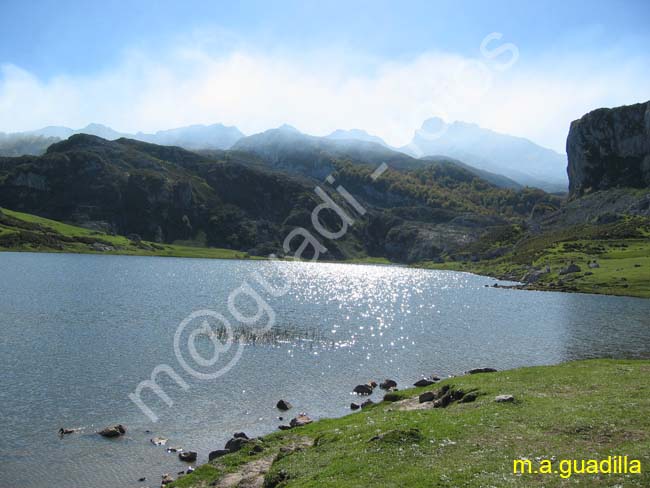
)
(579, 410)
(621, 250)
(26, 232)
(623, 267)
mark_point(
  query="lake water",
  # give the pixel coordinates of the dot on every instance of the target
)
(79, 332)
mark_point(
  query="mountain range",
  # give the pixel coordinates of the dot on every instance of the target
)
(193, 137)
(515, 157)
(252, 196)
(518, 161)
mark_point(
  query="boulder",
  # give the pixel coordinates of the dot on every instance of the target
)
(469, 397)
(236, 443)
(354, 406)
(363, 390)
(113, 431)
(504, 398)
(392, 397)
(240, 435)
(284, 427)
(388, 384)
(300, 420)
(481, 370)
(283, 405)
(158, 441)
(456, 395)
(423, 382)
(427, 396)
(571, 268)
(367, 404)
(444, 400)
(594, 265)
(166, 479)
(99, 247)
(187, 456)
(217, 454)
(533, 276)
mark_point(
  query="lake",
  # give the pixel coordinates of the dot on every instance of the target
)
(78, 333)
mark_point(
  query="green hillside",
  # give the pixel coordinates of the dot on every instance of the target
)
(613, 258)
(25, 232)
(238, 200)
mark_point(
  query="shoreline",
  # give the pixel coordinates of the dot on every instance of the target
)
(614, 285)
(205, 253)
(411, 416)
(622, 272)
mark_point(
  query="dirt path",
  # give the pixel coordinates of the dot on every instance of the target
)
(251, 475)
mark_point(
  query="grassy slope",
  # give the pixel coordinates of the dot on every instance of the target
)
(53, 236)
(622, 250)
(122, 244)
(624, 267)
(579, 410)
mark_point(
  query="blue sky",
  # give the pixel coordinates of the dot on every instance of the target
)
(156, 64)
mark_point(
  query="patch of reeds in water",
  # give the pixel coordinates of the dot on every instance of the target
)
(304, 337)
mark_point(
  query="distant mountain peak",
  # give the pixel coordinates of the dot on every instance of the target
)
(288, 128)
(78, 141)
(433, 124)
(515, 157)
(356, 134)
(96, 126)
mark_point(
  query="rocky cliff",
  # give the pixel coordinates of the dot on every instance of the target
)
(610, 148)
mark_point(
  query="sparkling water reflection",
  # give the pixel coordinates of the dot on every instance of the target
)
(78, 333)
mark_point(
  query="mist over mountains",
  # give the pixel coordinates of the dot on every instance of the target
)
(193, 137)
(515, 157)
(250, 196)
(504, 160)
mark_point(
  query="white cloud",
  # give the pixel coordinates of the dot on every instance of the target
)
(320, 93)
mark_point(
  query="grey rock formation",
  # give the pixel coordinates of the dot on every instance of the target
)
(610, 148)
(571, 268)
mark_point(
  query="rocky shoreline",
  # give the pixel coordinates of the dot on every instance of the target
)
(419, 436)
(436, 397)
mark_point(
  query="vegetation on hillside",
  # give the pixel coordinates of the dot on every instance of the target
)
(613, 258)
(229, 199)
(436, 212)
(25, 232)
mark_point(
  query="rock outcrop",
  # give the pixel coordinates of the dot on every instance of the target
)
(609, 148)
(113, 431)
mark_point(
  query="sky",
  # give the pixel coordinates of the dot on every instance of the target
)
(522, 68)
